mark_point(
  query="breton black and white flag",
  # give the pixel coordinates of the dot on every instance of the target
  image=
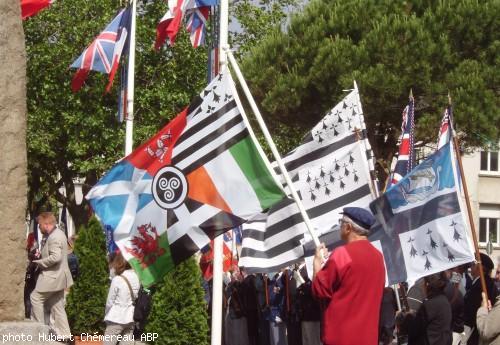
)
(329, 170)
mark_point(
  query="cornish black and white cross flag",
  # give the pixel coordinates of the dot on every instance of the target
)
(423, 230)
(329, 170)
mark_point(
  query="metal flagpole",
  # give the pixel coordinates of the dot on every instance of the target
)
(129, 116)
(270, 141)
(371, 167)
(216, 331)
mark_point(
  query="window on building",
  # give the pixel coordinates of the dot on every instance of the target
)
(489, 230)
(489, 160)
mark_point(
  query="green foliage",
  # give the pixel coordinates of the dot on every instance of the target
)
(74, 135)
(178, 313)
(255, 19)
(388, 47)
(87, 298)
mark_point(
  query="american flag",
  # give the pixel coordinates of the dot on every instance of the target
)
(103, 54)
(406, 156)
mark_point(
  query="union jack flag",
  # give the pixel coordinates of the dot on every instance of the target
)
(406, 156)
(103, 54)
(197, 13)
(196, 22)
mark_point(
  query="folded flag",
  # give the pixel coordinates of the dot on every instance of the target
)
(198, 177)
(229, 259)
(30, 8)
(196, 22)
(103, 54)
(169, 25)
(329, 171)
(420, 221)
(445, 131)
(406, 155)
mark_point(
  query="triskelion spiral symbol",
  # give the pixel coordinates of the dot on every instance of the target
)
(169, 187)
(174, 183)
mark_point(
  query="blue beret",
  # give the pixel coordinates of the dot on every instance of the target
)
(360, 216)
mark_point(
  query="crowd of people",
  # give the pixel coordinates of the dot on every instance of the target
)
(344, 303)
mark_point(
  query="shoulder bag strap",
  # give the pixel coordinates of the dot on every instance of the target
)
(129, 289)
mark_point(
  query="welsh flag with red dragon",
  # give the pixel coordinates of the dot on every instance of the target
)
(199, 176)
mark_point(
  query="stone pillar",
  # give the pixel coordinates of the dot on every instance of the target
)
(13, 161)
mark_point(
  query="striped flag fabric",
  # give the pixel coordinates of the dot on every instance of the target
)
(406, 155)
(330, 171)
(201, 175)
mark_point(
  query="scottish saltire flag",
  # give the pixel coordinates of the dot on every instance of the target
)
(30, 8)
(329, 171)
(406, 155)
(170, 23)
(445, 131)
(421, 226)
(196, 22)
(198, 177)
(103, 54)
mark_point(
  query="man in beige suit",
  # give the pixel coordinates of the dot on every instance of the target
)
(54, 276)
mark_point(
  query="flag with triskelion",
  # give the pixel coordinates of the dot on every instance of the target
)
(198, 177)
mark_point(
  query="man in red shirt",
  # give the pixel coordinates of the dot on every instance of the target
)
(349, 286)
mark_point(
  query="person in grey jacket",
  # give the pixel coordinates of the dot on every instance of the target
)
(488, 323)
(54, 276)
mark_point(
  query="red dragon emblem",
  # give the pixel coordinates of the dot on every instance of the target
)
(145, 245)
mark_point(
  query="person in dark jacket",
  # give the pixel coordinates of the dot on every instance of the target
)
(387, 315)
(431, 324)
(456, 300)
(473, 297)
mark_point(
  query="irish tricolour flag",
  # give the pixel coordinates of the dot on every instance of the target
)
(201, 175)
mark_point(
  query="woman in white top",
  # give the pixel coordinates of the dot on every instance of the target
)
(120, 303)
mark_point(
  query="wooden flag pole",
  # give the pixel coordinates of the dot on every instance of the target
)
(469, 208)
(272, 146)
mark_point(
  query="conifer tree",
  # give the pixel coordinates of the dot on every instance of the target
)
(87, 298)
(179, 312)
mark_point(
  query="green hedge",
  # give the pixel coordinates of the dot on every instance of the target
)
(179, 313)
(87, 298)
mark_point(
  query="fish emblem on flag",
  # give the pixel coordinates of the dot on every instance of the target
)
(198, 177)
(420, 222)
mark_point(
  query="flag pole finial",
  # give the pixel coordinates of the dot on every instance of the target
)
(449, 98)
(411, 94)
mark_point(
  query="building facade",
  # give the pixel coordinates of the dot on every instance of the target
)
(482, 173)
